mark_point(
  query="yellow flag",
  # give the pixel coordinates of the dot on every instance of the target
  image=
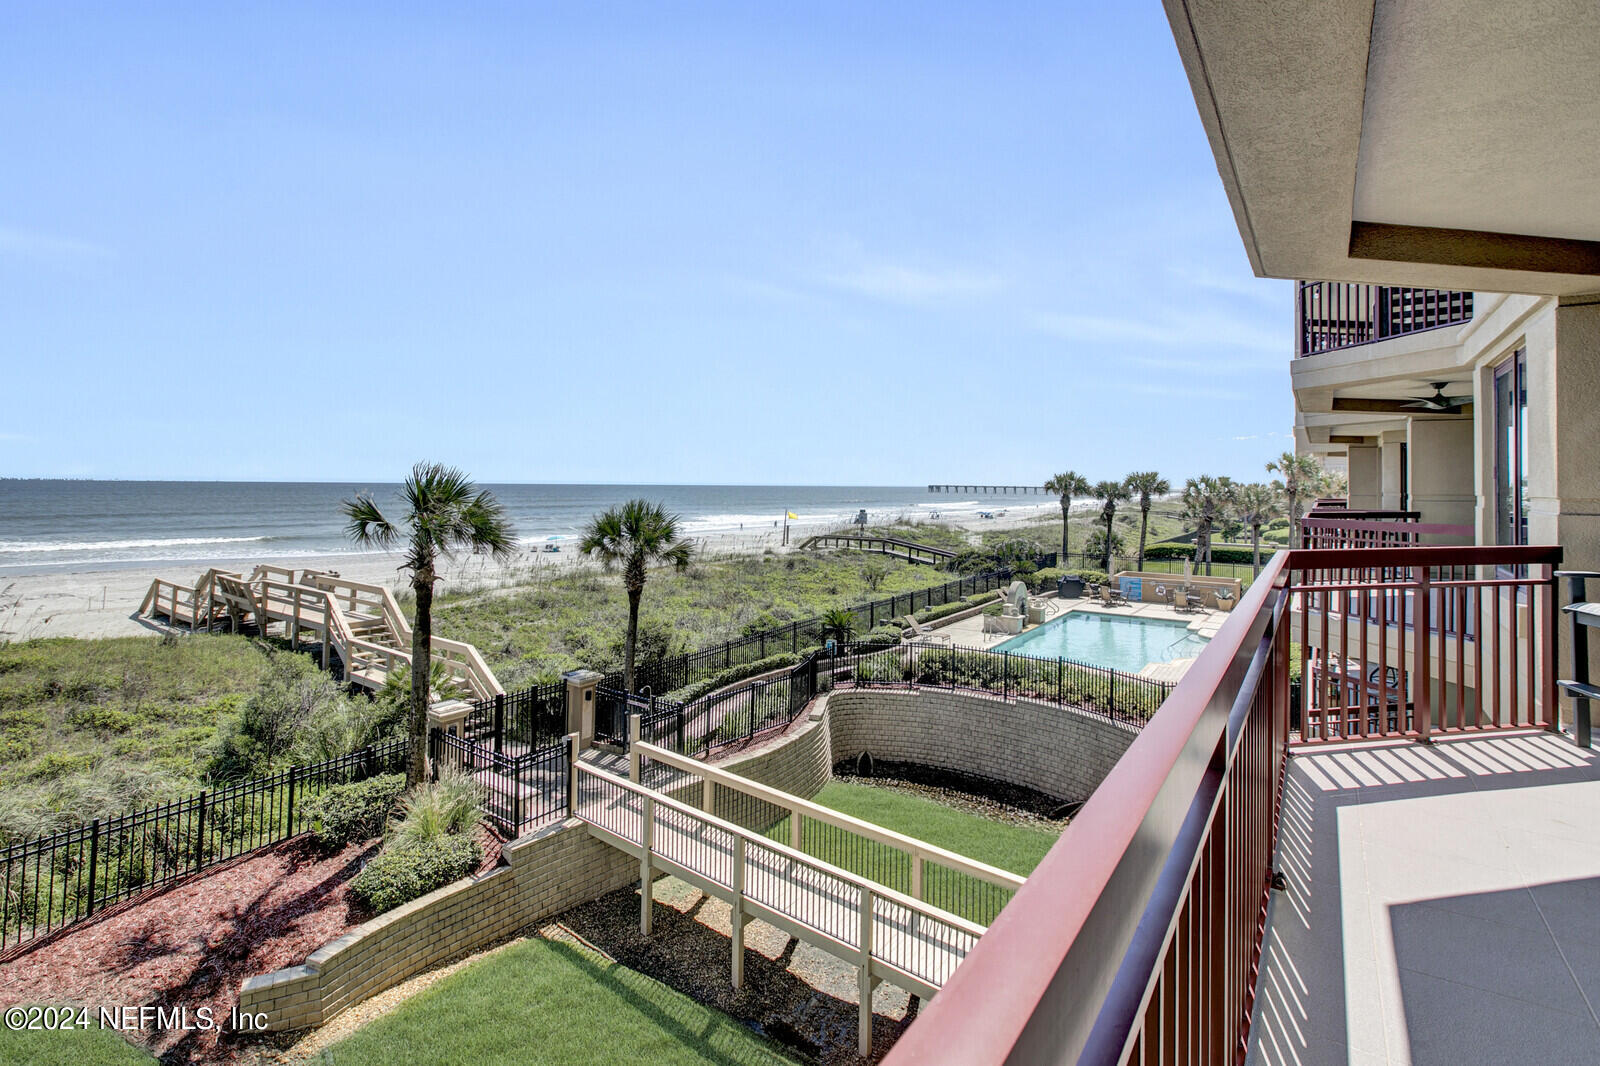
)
(793, 515)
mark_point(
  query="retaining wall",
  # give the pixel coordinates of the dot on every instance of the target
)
(549, 871)
(1057, 750)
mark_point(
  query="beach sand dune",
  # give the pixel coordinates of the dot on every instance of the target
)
(103, 603)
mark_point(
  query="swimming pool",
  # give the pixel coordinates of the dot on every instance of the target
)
(1125, 644)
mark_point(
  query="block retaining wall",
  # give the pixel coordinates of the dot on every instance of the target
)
(1056, 750)
(548, 871)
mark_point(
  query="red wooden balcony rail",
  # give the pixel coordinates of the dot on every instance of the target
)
(1333, 315)
(1137, 938)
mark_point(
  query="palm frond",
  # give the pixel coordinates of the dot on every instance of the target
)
(365, 523)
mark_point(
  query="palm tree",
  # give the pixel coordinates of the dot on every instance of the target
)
(445, 513)
(1255, 505)
(635, 536)
(1066, 486)
(1146, 485)
(1302, 479)
(1205, 500)
(1111, 493)
(838, 624)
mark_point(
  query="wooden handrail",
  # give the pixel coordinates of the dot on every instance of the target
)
(796, 805)
(921, 907)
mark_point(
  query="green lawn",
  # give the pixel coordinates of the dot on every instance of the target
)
(88, 1047)
(540, 1001)
(1017, 848)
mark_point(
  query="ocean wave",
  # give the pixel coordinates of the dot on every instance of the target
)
(20, 547)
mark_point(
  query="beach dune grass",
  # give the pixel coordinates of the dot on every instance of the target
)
(549, 1002)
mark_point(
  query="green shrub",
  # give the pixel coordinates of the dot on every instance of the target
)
(401, 873)
(1186, 551)
(1049, 575)
(884, 634)
(737, 672)
(944, 610)
(358, 811)
(1092, 577)
(979, 598)
(434, 810)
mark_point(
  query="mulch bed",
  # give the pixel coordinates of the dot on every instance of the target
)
(194, 944)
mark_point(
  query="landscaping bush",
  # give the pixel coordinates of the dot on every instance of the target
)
(291, 696)
(1091, 577)
(945, 610)
(438, 809)
(400, 874)
(348, 813)
(1186, 551)
(884, 634)
(732, 674)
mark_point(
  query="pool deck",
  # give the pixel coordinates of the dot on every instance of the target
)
(968, 632)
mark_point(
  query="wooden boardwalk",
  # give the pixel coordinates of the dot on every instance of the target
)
(361, 623)
(888, 935)
(893, 546)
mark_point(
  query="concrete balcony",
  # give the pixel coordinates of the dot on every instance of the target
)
(1441, 906)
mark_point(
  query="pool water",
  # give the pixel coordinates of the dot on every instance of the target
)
(1125, 644)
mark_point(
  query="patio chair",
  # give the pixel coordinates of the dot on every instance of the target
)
(1112, 596)
(921, 634)
(1194, 600)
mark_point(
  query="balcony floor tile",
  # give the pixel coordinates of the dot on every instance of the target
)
(1443, 906)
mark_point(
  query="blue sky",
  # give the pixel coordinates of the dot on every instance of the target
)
(819, 243)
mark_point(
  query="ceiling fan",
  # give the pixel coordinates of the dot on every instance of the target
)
(1438, 403)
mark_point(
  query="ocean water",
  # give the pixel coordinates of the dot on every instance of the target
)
(48, 525)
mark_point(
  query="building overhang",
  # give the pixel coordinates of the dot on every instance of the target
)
(1447, 144)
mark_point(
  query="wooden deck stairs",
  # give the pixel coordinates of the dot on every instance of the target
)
(359, 623)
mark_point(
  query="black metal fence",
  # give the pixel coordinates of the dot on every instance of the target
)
(519, 721)
(53, 881)
(681, 670)
(1099, 690)
(519, 791)
(732, 716)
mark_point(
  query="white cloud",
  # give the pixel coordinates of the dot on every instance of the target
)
(901, 284)
(1268, 291)
(1201, 328)
(47, 246)
(1181, 391)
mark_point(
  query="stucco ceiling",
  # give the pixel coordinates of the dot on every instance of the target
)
(1451, 144)
(1483, 115)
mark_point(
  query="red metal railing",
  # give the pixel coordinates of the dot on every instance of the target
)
(1333, 315)
(1322, 532)
(1137, 939)
(1419, 641)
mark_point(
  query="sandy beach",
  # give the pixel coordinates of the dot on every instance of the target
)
(104, 602)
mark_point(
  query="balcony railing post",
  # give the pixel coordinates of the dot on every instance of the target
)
(1422, 668)
(1549, 589)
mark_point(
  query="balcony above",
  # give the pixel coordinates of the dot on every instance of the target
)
(1330, 316)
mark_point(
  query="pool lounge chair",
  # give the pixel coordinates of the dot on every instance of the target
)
(921, 634)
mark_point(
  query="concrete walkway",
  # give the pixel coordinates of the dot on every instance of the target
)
(1443, 907)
